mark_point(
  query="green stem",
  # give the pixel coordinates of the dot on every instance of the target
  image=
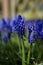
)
(28, 56)
(23, 53)
(29, 53)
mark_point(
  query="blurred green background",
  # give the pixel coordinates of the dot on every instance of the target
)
(31, 9)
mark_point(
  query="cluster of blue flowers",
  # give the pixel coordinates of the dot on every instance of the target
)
(35, 29)
(8, 27)
(18, 25)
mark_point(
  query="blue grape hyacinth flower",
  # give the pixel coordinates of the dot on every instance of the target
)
(41, 34)
(4, 37)
(13, 23)
(9, 31)
(5, 22)
(20, 27)
(37, 28)
(6, 27)
(30, 25)
(0, 26)
(32, 32)
(31, 37)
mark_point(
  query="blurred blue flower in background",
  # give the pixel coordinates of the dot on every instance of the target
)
(4, 24)
(0, 26)
(6, 28)
(5, 37)
(9, 31)
(31, 37)
(41, 34)
(37, 28)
